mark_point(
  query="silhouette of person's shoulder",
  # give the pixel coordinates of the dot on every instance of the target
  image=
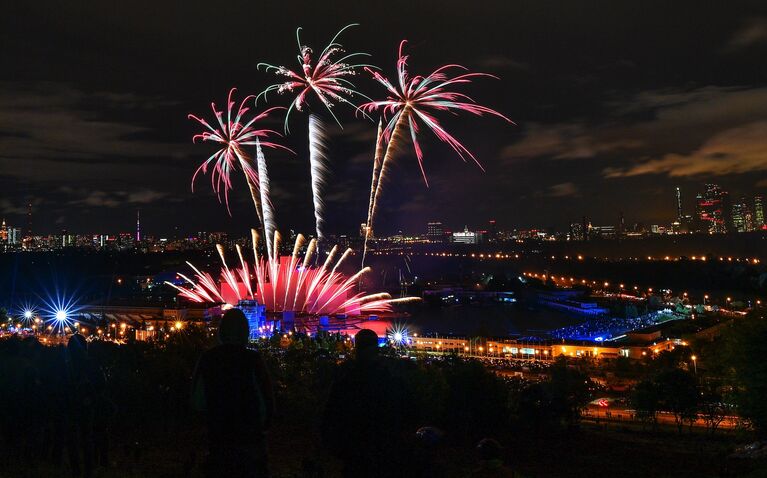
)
(223, 355)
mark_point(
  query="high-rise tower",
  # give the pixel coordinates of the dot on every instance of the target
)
(679, 214)
(138, 225)
(29, 220)
(712, 210)
(758, 211)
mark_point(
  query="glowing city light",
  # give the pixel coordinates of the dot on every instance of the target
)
(398, 335)
(58, 311)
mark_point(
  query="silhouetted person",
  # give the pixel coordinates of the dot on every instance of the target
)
(426, 455)
(233, 387)
(18, 387)
(362, 423)
(85, 385)
(105, 409)
(54, 395)
(491, 462)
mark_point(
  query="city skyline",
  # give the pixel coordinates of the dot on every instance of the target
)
(741, 213)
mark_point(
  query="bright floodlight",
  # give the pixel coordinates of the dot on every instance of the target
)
(61, 315)
(27, 314)
(398, 335)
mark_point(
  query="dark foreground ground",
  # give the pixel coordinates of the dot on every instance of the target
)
(588, 452)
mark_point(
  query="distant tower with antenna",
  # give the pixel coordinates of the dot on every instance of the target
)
(29, 219)
(138, 225)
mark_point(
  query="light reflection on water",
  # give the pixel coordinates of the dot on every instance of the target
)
(491, 320)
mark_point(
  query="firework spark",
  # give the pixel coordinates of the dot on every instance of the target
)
(288, 284)
(266, 201)
(318, 162)
(413, 104)
(376, 170)
(232, 132)
(327, 80)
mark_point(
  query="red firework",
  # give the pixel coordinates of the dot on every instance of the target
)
(417, 98)
(232, 132)
(287, 283)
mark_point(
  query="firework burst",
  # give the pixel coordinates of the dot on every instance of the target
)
(287, 283)
(232, 131)
(327, 79)
(412, 103)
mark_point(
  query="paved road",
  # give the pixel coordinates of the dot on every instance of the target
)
(617, 412)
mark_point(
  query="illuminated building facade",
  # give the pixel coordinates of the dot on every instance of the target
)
(758, 212)
(435, 232)
(710, 210)
(465, 237)
(742, 217)
(576, 231)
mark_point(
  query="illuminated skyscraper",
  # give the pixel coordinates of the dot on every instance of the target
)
(492, 231)
(435, 232)
(29, 220)
(138, 226)
(576, 231)
(679, 214)
(14, 235)
(758, 212)
(739, 212)
(710, 210)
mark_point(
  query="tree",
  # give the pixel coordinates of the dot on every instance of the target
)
(714, 406)
(744, 353)
(645, 398)
(679, 395)
(569, 390)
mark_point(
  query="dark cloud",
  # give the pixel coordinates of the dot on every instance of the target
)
(562, 190)
(111, 199)
(737, 150)
(753, 32)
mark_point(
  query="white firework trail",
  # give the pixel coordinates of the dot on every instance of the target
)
(266, 202)
(374, 181)
(318, 164)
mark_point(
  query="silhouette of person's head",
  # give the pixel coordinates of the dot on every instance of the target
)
(77, 347)
(233, 328)
(429, 436)
(366, 344)
(489, 449)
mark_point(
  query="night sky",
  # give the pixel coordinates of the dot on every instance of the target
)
(616, 103)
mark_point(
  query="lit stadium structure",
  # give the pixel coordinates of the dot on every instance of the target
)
(288, 285)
